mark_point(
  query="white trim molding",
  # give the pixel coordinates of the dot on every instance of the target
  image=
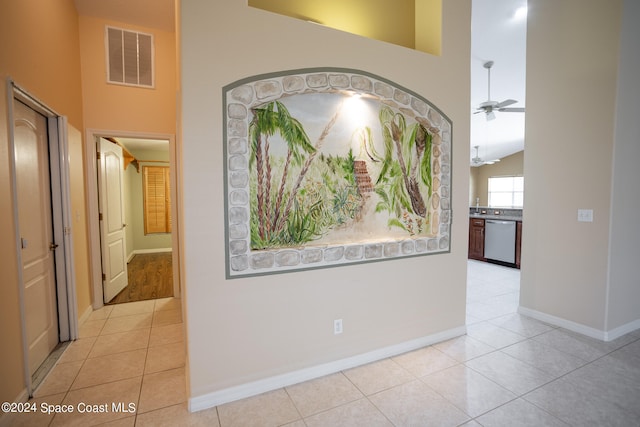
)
(219, 397)
(580, 328)
(622, 330)
(147, 251)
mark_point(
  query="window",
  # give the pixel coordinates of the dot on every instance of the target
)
(156, 199)
(506, 191)
(129, 57)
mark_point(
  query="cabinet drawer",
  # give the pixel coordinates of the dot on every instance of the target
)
(477, 222)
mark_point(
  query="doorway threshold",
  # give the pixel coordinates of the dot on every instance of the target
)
(41, 373)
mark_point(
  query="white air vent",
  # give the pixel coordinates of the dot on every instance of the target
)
(129, 57)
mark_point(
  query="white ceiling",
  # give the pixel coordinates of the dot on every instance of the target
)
(498, 36)
(495, 35)
(137, 144)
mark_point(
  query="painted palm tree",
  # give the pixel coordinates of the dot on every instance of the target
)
(267, 120)
(262, 125)
(305, 168)
(412, 165)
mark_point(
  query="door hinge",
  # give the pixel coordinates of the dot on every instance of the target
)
(98, 155)
(104, 277)
(100, 217)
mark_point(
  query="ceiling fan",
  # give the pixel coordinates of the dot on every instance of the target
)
(489, 107)
(477, 160)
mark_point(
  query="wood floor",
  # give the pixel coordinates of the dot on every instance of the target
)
(150, 277)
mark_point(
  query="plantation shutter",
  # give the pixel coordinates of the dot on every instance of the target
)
(157, 199)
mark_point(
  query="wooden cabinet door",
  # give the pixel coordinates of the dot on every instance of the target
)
(476, 239)
(518, 242)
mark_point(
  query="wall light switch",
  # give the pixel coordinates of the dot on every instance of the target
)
(337, 326)
(585, 215)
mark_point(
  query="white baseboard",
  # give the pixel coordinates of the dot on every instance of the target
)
(147, 251)
(622, 330)
(209, 400)
(85, 315)
(580, 328)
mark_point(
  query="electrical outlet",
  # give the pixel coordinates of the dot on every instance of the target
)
(585, 215)
(337, 326)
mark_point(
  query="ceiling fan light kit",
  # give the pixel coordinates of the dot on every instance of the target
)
(489, 107)
(477, 160)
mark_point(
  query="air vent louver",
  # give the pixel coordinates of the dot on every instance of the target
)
(129, 57)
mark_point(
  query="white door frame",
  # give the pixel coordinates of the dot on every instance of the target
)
(91, 175)
(61, 210)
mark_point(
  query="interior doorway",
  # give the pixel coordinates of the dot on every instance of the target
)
(41, 197)
(37, 241)
(147, 254)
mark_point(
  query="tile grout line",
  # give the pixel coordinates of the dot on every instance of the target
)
(135, 420)
(84, 360)
(565, 375)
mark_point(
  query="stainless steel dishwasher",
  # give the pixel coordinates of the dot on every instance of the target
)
(500, 240)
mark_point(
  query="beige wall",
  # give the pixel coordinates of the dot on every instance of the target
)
(512, 165)
(129, 178)
(249, 329)
(39, 50)
(473, 183)
(136, 239)
(624, 292)
(124, 108)
(572, 59)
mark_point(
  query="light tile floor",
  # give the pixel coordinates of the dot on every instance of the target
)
(508, 370)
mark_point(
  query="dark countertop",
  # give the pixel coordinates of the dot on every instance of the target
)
(499, 217)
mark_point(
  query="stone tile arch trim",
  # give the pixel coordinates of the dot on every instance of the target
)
(312, 182)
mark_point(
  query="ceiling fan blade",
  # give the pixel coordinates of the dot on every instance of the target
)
(511, 110)
(506, 102)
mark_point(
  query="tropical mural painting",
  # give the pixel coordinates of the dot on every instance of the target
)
(330, 167)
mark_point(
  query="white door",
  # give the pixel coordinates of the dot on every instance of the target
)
(112, 224)
(36, 233)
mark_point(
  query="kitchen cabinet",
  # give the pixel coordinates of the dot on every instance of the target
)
(476, 239)
(518, 242)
